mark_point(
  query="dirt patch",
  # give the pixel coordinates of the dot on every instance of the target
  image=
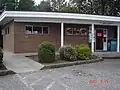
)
(57, 59)
(35, 58)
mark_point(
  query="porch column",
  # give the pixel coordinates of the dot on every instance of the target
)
(118, 38)
(62, 34)
(92, 41)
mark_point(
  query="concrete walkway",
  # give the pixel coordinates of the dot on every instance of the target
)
(20, 63)
(107, 54)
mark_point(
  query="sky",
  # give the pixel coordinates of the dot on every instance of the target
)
(37, 1)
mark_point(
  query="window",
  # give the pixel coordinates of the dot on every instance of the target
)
(37, 29)
(3, 32)
(83, 31)
(43, 30)
(69, 31)
(76, 31)
(29, 29)
(6, 31)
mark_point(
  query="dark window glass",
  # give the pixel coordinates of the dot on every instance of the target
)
(77, 32)
(37, 30)
(74, 32)
(8, 30)
(29, 29)
(83, 31)
(45, 30)
(5, 31)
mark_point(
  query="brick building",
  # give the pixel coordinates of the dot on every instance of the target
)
(24, 31)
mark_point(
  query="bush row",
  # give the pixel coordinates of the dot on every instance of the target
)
(46, 52)
(67, 53)
(78, 52)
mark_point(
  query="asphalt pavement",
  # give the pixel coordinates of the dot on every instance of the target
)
(103, 75)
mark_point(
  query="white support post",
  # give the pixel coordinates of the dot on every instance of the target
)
(118, 38)
(62, 34)
(92, 41)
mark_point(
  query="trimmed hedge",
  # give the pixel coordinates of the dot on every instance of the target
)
(1, 56)
(46, 52)
(67, 53)
(83, 52)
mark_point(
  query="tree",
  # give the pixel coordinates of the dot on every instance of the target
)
(69, 8)
(26, 5)
(9, 5)
(44, 6)
(114, 7)
(99, 7)
(1, 5)
(82, 6)
(107, 7)
(57, 5)
(103, 7)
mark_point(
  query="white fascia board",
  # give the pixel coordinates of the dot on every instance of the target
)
(64, 16)
(73, 21)
(2, 16)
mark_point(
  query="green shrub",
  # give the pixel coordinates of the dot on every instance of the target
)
(1, 56)
(67, 53)
(83, 51)
(46, 52)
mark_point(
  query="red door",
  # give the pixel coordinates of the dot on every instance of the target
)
(99, 39)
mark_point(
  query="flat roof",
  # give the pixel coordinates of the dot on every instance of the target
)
(29, 14)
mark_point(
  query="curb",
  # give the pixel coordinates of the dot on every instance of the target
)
(117, 57)
(71, 63)
(6, 72)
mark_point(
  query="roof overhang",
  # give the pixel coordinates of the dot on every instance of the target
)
(25, 16)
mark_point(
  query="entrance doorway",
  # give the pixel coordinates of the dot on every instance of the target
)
(101, 39)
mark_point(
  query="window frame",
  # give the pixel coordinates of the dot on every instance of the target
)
(6, 31)
(48, 30)
(77, 29)
(3, 31)
(26, 30)
(37, 33)
(67, 30)
(83, 34)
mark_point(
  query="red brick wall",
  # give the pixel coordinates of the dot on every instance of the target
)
(29, 43)
(19, 42)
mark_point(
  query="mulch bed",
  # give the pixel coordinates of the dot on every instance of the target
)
(2, 67)
(61, 63)
(35, 58)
